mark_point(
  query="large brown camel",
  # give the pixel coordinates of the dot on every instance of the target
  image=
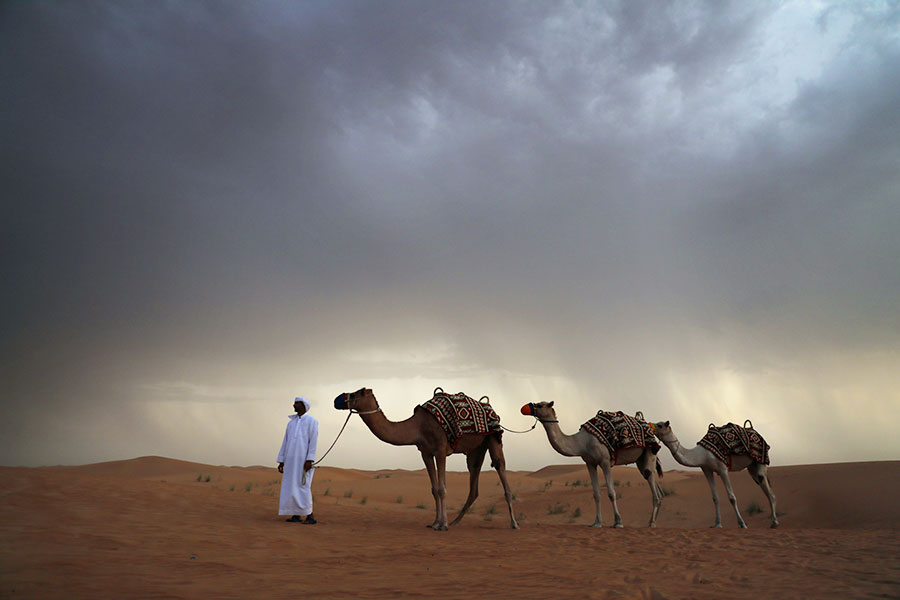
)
(424, 432)
(594, 454)
(709, 464)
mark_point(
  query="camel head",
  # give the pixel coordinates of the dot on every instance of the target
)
(662, 430)
(542, 411)
(362, 400)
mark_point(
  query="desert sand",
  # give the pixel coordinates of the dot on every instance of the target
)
(155, 527)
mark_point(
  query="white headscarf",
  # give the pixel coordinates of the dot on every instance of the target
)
(304, 401)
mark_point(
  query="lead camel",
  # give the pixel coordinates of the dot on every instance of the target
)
(424, 432)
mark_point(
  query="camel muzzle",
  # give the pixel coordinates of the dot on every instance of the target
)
(527, 410)
(340, 402)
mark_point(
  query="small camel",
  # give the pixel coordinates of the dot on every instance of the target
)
(424, 432)
(594, 453)
(710, 464)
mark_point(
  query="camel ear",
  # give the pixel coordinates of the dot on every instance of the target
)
(550, 405)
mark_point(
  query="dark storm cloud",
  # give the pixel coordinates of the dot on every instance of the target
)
(224, 193)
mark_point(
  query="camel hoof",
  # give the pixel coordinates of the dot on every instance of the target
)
(743, 526)
(773, 526)
(716, 526)
(596, 525)
(514, 526)
(618, 526)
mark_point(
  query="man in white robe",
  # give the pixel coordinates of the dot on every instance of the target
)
(295, 462)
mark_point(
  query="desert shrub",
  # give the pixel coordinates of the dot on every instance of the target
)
(399, 499)
(556, 509)
(576, 513)
(753, 509)
(364, 500)
(348, 494)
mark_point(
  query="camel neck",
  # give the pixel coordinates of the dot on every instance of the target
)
(390, 432)
(684, 456)
(566, 445)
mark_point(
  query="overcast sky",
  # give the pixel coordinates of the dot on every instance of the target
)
(686, 208)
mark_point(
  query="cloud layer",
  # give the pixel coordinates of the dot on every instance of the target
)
(683, 208)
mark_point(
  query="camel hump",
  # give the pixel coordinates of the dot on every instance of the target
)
(484, 400)
(746, 426)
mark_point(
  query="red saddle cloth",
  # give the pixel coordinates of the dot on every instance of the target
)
(458, 415)
(732, 440)
(618, 431)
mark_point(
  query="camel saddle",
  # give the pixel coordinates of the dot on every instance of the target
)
(618, 431)
(459, 415)
(732, 440)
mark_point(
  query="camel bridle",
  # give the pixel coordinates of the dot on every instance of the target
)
(532, 407)
(352, 411)
(359, 412)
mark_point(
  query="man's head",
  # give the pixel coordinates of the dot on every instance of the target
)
(301, 405)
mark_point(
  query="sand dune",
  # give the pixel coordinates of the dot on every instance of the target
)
(158, 527)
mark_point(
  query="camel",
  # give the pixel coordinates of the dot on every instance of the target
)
(424, 432)
(710, 464)
(594, 453)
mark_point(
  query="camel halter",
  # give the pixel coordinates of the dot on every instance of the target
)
(537, 418)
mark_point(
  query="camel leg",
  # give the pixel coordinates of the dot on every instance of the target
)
(611, 491)
(710, 479)
(474, 460)
(441, 460)
(723, 473)
(595, 483)
(760, 475)
(432, 476)
(498, 461)
(647, 466)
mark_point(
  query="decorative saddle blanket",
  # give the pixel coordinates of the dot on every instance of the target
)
(618, 431)
(732, 440)
(458, 415)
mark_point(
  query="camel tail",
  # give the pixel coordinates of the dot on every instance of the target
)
(659, 470)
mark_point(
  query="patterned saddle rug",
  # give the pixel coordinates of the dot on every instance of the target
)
(731, 440)
(459, 415)
(617, 431)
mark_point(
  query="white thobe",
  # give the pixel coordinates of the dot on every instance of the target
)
(298, 446)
